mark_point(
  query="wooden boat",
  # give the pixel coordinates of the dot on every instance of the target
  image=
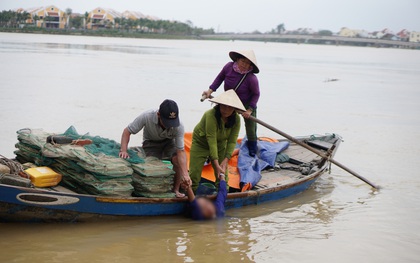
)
(61, 204)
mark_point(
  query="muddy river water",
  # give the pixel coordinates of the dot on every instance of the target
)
(99, 85)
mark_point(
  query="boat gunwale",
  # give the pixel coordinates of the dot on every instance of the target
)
(147, 200)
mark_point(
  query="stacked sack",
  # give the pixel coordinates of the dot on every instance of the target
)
(92, 169)
(153, 178)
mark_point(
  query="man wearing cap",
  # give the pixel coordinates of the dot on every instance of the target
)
(163, 138)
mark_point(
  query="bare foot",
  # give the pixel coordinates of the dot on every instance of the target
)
(179, 195)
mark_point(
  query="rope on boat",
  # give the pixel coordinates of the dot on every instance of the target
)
(15, 167)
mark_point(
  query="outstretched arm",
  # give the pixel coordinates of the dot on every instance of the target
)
(190, 194)
(183, 170)
(219, 79)
(125, 139)
(217, 82)
(221, 197)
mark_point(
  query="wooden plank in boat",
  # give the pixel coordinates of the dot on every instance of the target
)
(272, 179)
(320, 145)
(301, 154)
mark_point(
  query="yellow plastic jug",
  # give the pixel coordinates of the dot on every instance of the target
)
(43, 176)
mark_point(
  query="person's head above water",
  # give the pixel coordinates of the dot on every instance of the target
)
(202, 209)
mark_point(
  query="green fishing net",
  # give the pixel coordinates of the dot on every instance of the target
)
(102, 145)
(153, 178)
(96, 168)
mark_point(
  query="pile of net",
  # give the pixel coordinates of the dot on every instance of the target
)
(153, 178)
(90, 169)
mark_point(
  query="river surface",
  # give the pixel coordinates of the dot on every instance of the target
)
(99, 85)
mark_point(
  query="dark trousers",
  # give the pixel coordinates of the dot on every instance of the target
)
(251, 127)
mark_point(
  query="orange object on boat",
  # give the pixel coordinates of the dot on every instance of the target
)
(208, 173)
(234, 176)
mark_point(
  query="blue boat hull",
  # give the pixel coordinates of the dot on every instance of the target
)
(35, 204)
(23, 204)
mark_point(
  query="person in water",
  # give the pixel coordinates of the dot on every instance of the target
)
(163, 138)
(202, 208)
(239, 75)
(214, 137)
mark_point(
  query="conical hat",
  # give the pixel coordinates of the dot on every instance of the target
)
(249, 54)
(229, 98)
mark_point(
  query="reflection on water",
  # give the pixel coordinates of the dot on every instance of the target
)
(150, 240)
(74, 48)
(242, 236)
(101, 84)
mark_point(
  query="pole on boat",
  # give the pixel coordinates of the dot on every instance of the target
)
(304, 145)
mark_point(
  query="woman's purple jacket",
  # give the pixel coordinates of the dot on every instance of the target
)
(248, 92)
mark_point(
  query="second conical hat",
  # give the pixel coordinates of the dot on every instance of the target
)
(229, 98)
(249, 54)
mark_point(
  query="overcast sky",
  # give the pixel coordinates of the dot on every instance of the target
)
(263, 15)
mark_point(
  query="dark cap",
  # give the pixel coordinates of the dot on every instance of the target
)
(169, 113)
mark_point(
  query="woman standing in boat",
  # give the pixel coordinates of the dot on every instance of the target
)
(215, 136)
(239, 75)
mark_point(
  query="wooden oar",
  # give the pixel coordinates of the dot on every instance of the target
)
(304, 145)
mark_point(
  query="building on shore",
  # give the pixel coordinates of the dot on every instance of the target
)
(363, 34)
(153, 18)
(47, 17)
(385, 34)
(414, 37)
(102, 18)
(347, 32)
(53, 17)
(404, 35)
(133, 15)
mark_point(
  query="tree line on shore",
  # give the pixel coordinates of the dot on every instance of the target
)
(13, 19)
(160, 26)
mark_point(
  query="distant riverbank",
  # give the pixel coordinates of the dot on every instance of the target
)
(99, 33)
(316, 40)
(296, 39)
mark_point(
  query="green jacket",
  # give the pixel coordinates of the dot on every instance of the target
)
(209, 136)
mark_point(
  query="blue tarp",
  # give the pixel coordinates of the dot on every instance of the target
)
(250, 167)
